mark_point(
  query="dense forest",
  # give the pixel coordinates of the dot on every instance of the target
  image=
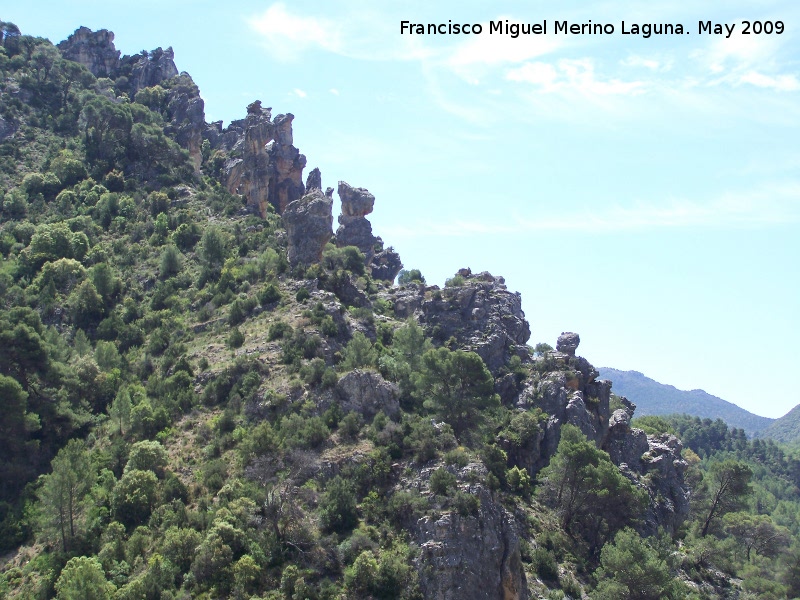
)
(187, 410)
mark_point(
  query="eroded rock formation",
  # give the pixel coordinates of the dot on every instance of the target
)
(354, 229)
(264, 166)
(93, 49)
(482, 315)
(569, 392)
(308, 222)
(471, 556)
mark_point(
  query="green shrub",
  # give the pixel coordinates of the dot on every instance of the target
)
(337, 508)
(442, 481)
(235, 338)
(278, 330)
(302, 295)
(466, 504)
(269, 294)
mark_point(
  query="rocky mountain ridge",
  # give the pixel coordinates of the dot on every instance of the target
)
(307, 396)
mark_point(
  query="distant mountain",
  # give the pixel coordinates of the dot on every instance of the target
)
(654, 398)
(786, 429)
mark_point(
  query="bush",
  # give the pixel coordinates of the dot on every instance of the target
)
(302, 295)
(278, 330)
(545, 565)
(337, 507)
(442, 481)
(269, 294)
(466, 504)
(236, 338)
(350, 425)
(358, 353)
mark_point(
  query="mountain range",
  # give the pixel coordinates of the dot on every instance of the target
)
(654, 398)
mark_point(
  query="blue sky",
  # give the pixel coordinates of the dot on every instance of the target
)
(644, 192)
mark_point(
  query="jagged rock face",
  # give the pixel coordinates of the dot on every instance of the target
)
(187, 118)
(482, 315)
(149, 68)
(314, 180)
(367, 393)
(354, 229)
(570, 393)
(93, 49)
(568, 343)
(386, 264)
(308, 222)
(653, 463)
(471, 557)
(267, 168)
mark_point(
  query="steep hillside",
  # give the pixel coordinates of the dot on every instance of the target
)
(208, 393)
(654, 398)
(786, 429)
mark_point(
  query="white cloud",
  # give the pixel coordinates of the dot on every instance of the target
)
(780, 83)
(334, 91)
(286, 35)
(361, 34)
(572, 75)
(651, 63)
(299, 93)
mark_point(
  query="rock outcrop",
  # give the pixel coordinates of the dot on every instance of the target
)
(314, 181)
(367, 393)
(265, 167)
(568, 343)
(386, 264)
(185, 113)
(182, 107)
(471, 557)
(147, 69)
(93, 49)
(569, 392)
(308, 222)
(482, 315)
(354, 229)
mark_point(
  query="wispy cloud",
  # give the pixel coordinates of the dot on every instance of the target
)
(771, 205)
(300, 93)
(572, 75)
(286, 34)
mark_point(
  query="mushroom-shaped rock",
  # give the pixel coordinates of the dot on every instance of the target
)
(308, 223)
(568, 343)
(356, 202)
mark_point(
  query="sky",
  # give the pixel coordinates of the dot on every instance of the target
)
(643, 192)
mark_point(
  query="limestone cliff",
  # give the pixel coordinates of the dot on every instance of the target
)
(263, 164)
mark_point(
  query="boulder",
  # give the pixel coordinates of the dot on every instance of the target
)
(308, 223)
(482, 315)
(367, 393)
(356, 202)
(386, 264)
(148, 69)
(568, 343)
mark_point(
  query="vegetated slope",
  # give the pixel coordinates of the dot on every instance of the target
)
(654, 398)
(207, 393)
(786, 429)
